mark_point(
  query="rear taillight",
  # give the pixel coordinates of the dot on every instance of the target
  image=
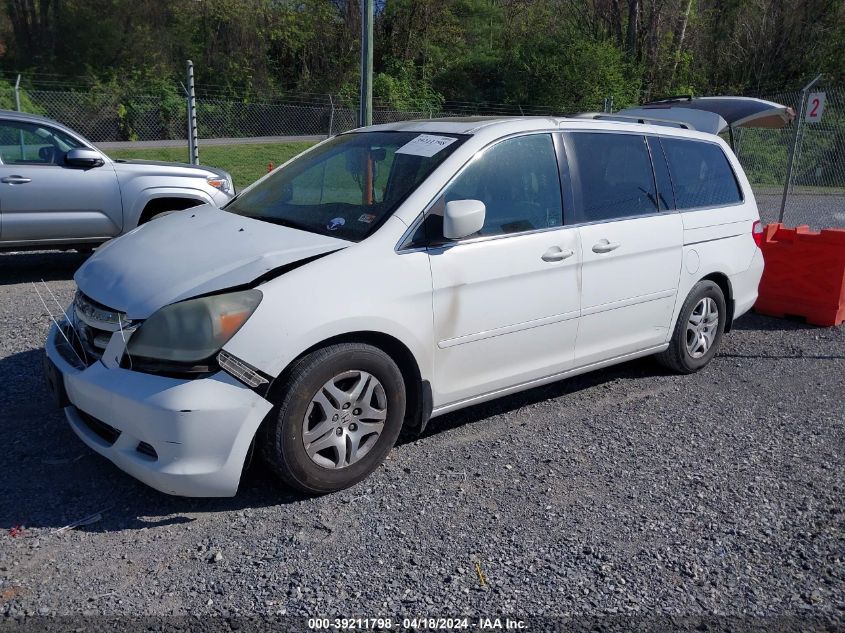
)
(757, 233)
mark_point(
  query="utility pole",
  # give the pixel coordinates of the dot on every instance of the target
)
(365, 108)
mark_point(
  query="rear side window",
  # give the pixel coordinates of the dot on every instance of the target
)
(612, 176)
(701, 174)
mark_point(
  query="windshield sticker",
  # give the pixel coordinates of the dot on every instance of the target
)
(426, 145)
(367, 218)
(335, 224)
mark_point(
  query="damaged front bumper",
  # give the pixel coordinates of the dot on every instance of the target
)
(186, 437)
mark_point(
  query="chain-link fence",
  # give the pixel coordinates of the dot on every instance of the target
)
(816, 195)
(106, 116)
(243, 136)
(248, 136)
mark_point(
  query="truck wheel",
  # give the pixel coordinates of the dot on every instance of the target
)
(338, 414)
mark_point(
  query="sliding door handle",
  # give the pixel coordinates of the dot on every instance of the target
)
(557, 254)
(604, 246)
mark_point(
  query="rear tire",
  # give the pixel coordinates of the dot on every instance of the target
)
(698, 331)
(339, 412)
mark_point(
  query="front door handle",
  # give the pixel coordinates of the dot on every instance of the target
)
(557, 254)
(604, 246)
(16, 180)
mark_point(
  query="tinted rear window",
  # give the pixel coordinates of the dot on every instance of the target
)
(701, 174)
(612, 176)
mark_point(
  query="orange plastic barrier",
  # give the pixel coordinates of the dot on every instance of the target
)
(804, 274)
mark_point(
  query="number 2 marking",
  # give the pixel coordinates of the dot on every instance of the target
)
(816, 103)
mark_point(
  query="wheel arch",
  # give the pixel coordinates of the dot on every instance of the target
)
(724, 283)
(167, 202)
(418, 391)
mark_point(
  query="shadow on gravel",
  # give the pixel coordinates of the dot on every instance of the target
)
(785, 356)
(762, 323)
(50, 479)
(635, 369)
(18, 268)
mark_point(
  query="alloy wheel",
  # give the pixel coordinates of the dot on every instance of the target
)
(702, 326)
(344, 419)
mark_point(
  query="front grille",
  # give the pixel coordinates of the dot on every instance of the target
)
(102, 430)
(93, 340)
(94, 325)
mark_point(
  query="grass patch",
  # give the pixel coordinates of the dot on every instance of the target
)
(247, 163)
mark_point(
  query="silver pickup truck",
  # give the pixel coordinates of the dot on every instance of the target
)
(58, 191)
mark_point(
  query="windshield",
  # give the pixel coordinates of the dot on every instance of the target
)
(349, 185)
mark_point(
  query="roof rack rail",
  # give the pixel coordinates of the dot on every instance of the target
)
(672, 99)
(638, 119)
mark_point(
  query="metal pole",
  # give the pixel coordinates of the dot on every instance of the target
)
(18, 106)
(787, 185)
(193, 149)
(331, 114)
(365, 109)
(18, 93)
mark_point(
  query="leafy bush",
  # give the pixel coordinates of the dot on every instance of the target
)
(7, 99)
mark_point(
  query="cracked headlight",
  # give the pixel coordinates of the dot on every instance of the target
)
(194, 330)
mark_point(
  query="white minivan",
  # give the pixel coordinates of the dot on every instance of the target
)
(392, 274)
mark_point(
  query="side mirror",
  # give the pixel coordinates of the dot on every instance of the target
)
(84, 157)
(462, 218)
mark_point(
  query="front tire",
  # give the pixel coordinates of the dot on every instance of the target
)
(698, 331)
(340, 410)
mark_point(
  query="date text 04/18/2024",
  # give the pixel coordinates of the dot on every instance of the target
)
(416, 623)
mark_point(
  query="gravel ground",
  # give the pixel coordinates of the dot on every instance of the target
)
(628, 491)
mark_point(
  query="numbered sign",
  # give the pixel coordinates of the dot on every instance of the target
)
(815, 107)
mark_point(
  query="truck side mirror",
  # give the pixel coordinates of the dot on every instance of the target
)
(84, 157)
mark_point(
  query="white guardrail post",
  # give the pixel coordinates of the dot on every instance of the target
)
(193, 149)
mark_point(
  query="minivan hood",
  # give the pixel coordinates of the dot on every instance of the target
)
(189, 253)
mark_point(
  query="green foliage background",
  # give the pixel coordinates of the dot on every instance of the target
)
(125, 59)
(564, 54)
